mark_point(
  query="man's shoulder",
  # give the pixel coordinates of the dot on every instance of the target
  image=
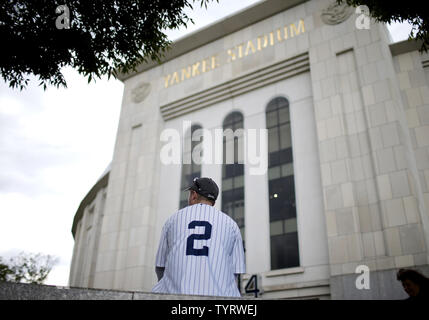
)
(225, 216)
(228, 220)
(181, 213)
(216, 213)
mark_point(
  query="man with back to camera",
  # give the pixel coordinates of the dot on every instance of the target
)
(201, 249)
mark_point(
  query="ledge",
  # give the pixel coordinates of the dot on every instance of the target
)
(283, 272)
(23, 291)
(405, 46)
(296, 286)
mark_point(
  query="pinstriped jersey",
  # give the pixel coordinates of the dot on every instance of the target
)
(201, 249)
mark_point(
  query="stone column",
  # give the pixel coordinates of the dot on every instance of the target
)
(369, 189)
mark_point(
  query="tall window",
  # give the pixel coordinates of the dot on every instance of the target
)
(190, 169)
(283, 226)
(232, 170)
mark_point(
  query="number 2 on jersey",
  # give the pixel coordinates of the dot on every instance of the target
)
(204, 251)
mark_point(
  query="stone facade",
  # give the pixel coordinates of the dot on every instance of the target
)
(359, 110)
(86, 230)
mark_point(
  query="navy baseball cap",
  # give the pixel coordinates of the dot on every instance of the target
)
(205, 187)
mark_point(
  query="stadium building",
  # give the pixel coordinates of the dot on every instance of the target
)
(335, 198)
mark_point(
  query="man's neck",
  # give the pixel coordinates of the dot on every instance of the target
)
(205, 202)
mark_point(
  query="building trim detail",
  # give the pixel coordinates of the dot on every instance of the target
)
(240, 85)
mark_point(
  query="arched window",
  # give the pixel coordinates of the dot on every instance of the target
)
(281, 187)
(190, 169)
(233, 169)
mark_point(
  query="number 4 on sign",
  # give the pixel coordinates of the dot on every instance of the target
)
(252, 285)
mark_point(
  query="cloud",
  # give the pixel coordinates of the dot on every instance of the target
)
(25, 156)
(26, 169)
(54, 145)
(399, 31)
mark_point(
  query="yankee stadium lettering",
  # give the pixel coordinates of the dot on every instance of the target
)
(190, 251)
(241, 50)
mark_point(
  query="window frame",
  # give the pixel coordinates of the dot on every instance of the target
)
(281, 169)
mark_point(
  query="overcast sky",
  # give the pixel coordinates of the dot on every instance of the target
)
(55, 144)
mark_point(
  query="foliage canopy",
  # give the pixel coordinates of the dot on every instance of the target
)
(412, 11)
(103, 37)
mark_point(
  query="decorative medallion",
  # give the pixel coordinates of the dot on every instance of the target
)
(336, 13)
(140, 92)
